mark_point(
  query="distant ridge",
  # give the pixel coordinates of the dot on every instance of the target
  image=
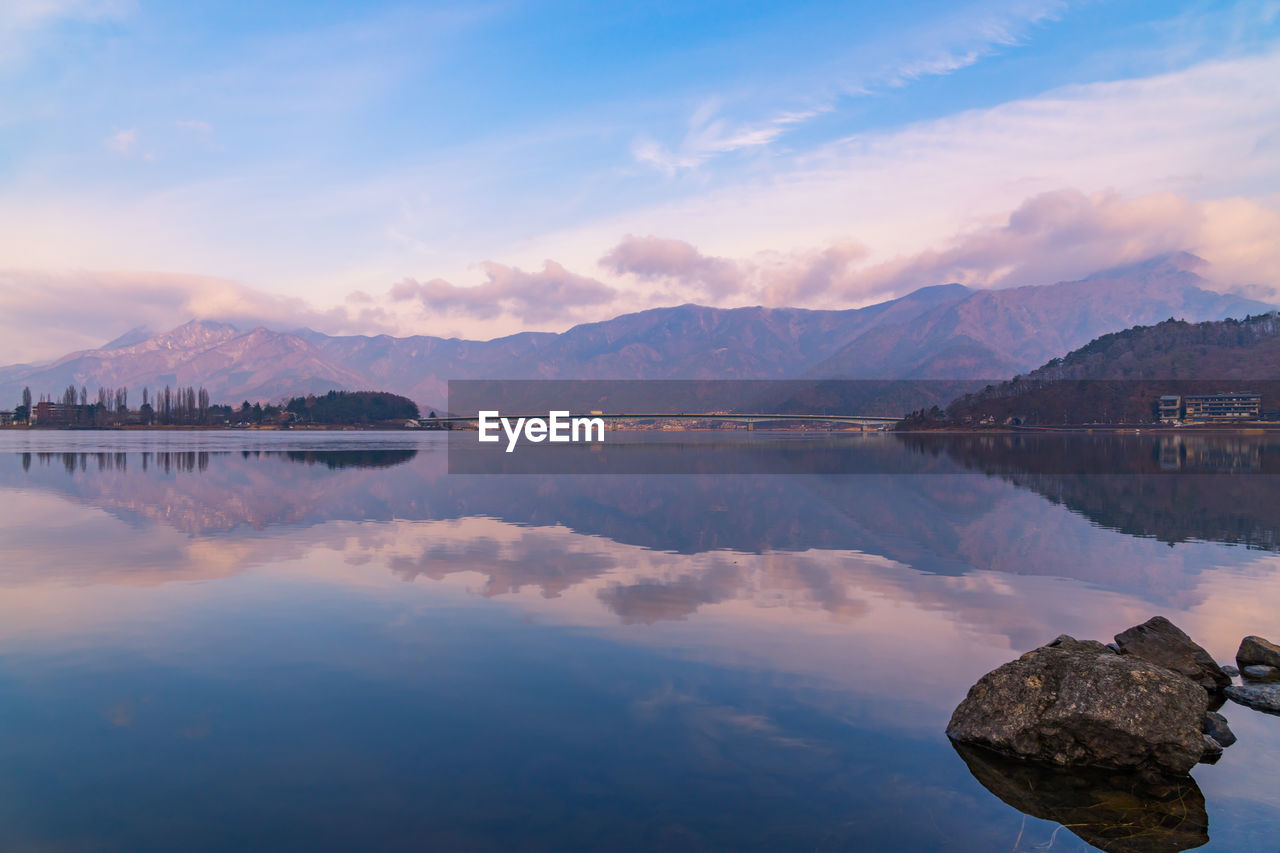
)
(946, 331)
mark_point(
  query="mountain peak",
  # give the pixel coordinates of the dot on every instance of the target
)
(136, 335)
(1164, 264)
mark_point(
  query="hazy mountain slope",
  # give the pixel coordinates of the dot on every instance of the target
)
(998, 333)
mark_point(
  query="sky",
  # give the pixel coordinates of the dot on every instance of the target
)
(481, 168)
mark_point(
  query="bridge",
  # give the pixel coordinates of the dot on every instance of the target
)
(749, 418)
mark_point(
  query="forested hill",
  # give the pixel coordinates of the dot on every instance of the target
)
(1175, 349)
(1117, 377)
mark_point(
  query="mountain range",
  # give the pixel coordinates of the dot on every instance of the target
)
(939, 332)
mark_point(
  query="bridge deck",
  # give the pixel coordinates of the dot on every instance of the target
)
(739, 417)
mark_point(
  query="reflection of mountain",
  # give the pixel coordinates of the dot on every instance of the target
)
(1115, 812)
(946, 523)
(1171, 489)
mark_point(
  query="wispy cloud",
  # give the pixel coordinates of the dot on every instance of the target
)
(201, 128)
(33, 13)
(709, 135)
(965, 42)
(122, 141)
(20, 19)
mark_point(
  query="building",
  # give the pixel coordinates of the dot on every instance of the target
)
(6, 418)
(46, 413)
(1170, 409)
(1239, 406)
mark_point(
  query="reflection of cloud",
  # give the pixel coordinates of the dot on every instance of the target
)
(647, 601)
(834, 616)
(715, 722)
(549, 563)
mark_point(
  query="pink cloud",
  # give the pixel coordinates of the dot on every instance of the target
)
(657, 259)
(535, 297)
(1066, 234)
(48, 314)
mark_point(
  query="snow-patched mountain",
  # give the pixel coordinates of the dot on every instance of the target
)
(940, 332)
(258, 364)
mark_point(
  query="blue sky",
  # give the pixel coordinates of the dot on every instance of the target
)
(480, 168)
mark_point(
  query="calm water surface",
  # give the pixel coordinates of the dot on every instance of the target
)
(326, 641)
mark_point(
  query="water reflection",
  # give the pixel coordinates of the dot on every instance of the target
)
(1113, 811)
(734, 662)
(1170, 488)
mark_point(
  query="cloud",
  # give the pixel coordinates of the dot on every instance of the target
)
(1054, 236)
(553, 293)
(1066, 234)
(19, 19)
(37, 12)
(122, 141)
(46, 315)
(956, 42)
(709, 135)
(772, 278)
(661, 259)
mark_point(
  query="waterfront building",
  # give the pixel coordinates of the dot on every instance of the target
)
(1170, 408)
(46, 413)
(1238, 406)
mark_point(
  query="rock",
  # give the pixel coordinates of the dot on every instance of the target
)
(1163, 643)
(1074, 703)
(1115, 812)
(1259, 697)
(1212, 751)
(1261, 672)
(1215, 726)
(1231, 671)
(1257, 650)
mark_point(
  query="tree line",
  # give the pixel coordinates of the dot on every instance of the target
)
(352, 407)
(190, 406)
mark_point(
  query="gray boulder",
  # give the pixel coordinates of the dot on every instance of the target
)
(1259, 697)
(1077, 703)
(1215, 726)
(1255, 650)
(1165, 644)
(1212, 751)
(1261, 672)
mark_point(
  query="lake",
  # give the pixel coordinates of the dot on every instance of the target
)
(327, 641)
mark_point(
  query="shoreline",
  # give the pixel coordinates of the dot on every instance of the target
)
(1104, 429)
